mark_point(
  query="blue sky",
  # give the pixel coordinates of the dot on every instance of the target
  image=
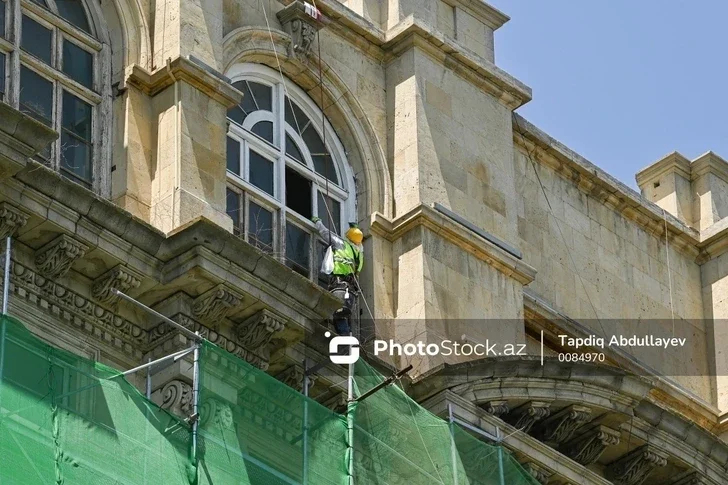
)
(622, 82)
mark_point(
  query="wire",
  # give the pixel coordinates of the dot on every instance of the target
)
(669, 274)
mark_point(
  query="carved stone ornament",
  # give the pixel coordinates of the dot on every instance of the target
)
(542, 475)
(497, 408)
(634, 468)
(119, 278)
(55, 258)
(11, 219)
(589, 446)
(301, 20)
(691, 478)
(559, 427)
(217, 414)
(525, 416)
(215, 304)
(177, 398)
(255, 332)
(293, 377)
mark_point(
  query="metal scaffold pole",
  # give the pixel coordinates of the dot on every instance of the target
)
(6, 275)
(195, 396)
(453, 447)
(306, 383)
(350, 405)
(500, 457)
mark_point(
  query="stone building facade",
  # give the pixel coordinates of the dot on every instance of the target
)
(177, 149)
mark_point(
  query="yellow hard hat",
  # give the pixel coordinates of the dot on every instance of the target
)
(354, 234)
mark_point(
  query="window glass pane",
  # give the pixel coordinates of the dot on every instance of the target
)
(295, 117)
(298, 193)
(260, 227)
(297, 249)
(42, 3)
(73, 11)
(322, 162)
(36, 96)
(2, 18)
(76, 130)
(78, 64)
(255, 97)
(36, 39)
(264, 129)
(76, 116)
(333, 212)
(233, 156)
(232, 207)
(261, 172)
(323, 278)
(2, 75)
(292, 150)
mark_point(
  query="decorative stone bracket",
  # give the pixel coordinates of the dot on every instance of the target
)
(496, 408)
(525, 416)
(691, 478)
(559, 427)
(589, 446)
(11, 219)
(55, 258)
(293, 377)
(119, 278)
(176, 397)
(542, 475)
(633, 468)
(256, 332)
(301, 20)
(215, 304)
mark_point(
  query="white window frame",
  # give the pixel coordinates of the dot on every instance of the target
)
(344, 192)
(98, 96)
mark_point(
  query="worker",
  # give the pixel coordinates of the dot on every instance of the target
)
(348, 261)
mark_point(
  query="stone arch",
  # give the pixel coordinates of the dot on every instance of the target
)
(123, 26)
(364, 151)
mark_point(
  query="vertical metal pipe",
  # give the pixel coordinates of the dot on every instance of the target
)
(195, 397)
(453, 448)
(501, 473)
(306, 383)
(149, 379)
(6, 275)
(350, 423)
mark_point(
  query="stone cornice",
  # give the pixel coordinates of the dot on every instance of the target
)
(673, 162)
(478, 70)
(595, 182)
(182, 69)
(482, 11)
(21, 137)
(709, 162)
(423, 216)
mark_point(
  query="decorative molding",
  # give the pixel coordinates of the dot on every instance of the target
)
(177, 398)
(589, 446)
(55, 258)
(293, 377)
(525, 416)
(119, 278)
(215, 304)
(11, 220)
(633, 468)
(256, 332)
(497, 408)
(541, 474)
(216, 412)
(691, 478)
(559, 427)
(337, 402)
(301, 21)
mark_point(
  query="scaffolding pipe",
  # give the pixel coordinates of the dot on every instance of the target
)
(350, 405)
(193, 335)
(306, 383)
(195, 396)
(149, 380)
(176, 355)
(500, 457)
(6, 277)
(453, 448)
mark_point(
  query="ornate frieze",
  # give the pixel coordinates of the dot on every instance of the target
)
(119, 278)
(215, 304)
(559, 427)
(293, 377)
(55, 258)
(588, 446)
(633, 468)
(256, 332)
(525, 416)
(11, 219)
(301, 21)
(497, 408)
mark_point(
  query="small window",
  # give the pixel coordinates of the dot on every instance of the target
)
(36, 96)
(328, 210)
(261, 172)
(78, 64)
(298, 247)
(298, 193)
(2, 18)
(264, 129)
(233, 156)
(233, 207)
(260, 227)
(74, 12)
(76, 139)
(36, 40)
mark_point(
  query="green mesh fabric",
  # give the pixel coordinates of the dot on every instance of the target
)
(68, 420)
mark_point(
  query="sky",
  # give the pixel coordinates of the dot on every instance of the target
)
(622, 83)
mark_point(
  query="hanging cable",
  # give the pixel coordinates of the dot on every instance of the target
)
(669, 274)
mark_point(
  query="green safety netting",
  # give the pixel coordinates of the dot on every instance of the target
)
(68, 420)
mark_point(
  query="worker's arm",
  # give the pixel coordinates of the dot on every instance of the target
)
(336, 241)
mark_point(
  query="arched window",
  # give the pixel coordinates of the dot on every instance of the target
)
(50, 61)
(285, 165)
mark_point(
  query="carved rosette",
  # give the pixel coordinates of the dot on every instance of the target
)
(256, 332)
(541, 474)
(119, 278)
(635, 467)
(559, 427)
(177, 398)
(589, 446)
(301, 23)
(55, 258)
(215, 304)
(525, 416)
(497, 408)
(11, 219)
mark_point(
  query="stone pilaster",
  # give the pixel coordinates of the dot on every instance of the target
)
(635, 467)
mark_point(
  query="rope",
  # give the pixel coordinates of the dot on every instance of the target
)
(669, 274)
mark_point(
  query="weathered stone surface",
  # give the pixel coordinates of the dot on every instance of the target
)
(55, 258)
(634, 468)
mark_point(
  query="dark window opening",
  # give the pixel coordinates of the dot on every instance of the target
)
(329, 210)
(298, 193)
(264, 129)
(261, 172)
(2, 18)
(2, 75)
(76, 149)
(233, 202)
(233, 156)
(36, 39)
(78, 64)
(260, 227)
(297, 249)
(256, 97)
(74, 12)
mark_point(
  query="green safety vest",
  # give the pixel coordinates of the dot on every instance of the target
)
(346, 259)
